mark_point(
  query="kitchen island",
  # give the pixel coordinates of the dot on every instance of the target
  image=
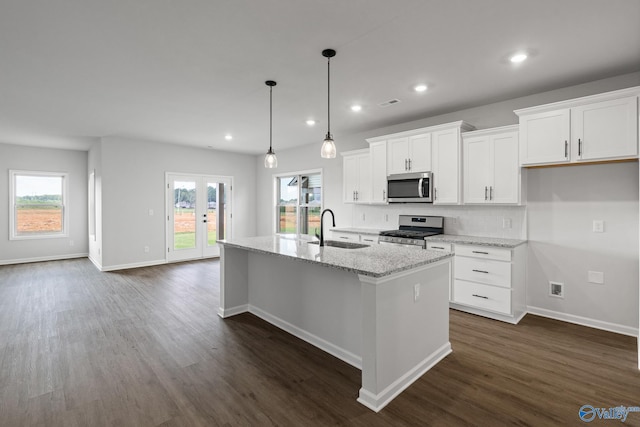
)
(382, 309)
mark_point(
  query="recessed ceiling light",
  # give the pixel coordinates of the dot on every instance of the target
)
(420, 88)
(518, 57)
(356, 107)
(310, 122)
(228, 137)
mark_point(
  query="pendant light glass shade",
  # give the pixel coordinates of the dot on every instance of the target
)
(270, 159)
(328, 150)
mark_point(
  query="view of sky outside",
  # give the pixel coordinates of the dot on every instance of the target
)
(38, 185)
(288, 192)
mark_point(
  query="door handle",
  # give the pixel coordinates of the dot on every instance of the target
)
(204, 220)
(420, 182)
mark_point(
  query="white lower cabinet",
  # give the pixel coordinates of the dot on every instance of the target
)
(490, 281)
(366, 239)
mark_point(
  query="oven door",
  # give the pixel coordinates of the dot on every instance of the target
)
(410, 188)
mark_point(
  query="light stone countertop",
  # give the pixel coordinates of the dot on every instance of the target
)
(373, 261)
(476, 240)
(354, 230)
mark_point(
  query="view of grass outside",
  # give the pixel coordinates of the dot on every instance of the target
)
(35, 219)
(184, 226)
(299, 204)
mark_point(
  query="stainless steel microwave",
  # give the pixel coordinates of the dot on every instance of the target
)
(410, 187)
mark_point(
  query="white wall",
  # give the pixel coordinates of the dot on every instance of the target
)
(563, 202)
(42, 159)
(133, 181)
(488, 220)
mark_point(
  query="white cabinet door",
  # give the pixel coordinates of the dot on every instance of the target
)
(477, 169)
(378, 152)
(349, 178)
(544, 137)
(420, 153)
(446, 166)
(398, 155)
(605, 130)
(363, 185)
(505, 182)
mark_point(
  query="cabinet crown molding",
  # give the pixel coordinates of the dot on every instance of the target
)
(570, 103)
(491, 131)
(464, 126)
(355, 152)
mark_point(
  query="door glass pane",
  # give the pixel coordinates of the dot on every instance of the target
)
(287, 219)
(184, 215)
(212, 217)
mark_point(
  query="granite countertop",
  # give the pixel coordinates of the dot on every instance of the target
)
(476, 240)
(355, 230)
(373, 261)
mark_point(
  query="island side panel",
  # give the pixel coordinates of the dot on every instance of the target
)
(318, 304)
(403, 337)
(234, 284)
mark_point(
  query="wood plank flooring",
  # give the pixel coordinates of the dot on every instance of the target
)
(145, 347)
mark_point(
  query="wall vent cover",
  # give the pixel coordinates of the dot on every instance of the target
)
(556, 289)
(389, 102)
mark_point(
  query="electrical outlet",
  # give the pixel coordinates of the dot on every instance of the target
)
(416, 292)
(598, 226)
(146, 249)
(71, 243)
(150, 212)
(506, 222)
(595, 277)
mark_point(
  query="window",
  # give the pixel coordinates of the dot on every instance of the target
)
(298, 203)
(38, 204)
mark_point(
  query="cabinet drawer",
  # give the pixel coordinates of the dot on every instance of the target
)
(369, 239)
(483, 270)
(486, 252)
(349, 237)
(438, 246)
(482, 296)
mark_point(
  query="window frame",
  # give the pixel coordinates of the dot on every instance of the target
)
(299, 205)
(13, 234)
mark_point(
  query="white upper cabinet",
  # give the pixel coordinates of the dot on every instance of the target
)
(446, 166)
(491, 168)
(607, 129)
(594, 128)
(378, 152)
(356, 176)
(409, 154)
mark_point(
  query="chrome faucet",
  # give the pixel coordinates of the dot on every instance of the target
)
(333, 218)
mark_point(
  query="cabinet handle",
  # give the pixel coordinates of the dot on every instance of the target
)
(437, 247)
(356, 195)
(579, 147)
(384, 195)
(409, 164)
(406, 168)
(367, 240)
(353, 196)
(566, 149)
(485, 192)
(343, 237)
(491, 192)
(435, 193)
(479, 296)
(480, 252)
(481, 271)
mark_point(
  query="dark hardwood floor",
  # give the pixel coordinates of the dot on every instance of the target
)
(145, 347)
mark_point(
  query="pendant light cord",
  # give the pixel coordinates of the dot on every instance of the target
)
(328, 96)
(270, 117)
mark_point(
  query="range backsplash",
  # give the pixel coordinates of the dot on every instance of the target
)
(507, 222)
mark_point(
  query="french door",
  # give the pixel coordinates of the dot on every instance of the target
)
(198, 215)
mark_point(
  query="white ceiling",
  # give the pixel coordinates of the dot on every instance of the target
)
(190, 71)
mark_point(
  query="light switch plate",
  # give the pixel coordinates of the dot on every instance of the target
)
(595, 277)
(598, 226)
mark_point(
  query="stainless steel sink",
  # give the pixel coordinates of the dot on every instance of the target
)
(339, 244)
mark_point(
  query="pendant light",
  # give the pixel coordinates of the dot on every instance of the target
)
(328, 150)
(270, 160)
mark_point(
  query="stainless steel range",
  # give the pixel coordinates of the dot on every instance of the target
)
(413, 229)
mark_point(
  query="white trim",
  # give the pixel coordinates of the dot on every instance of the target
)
(276, 193)
(379, 280)
(133, 265)
(342, 354)
(584, 321)
(461, 124)
(489, 314)
(376, 402)
(224, 313)
(42, 259)
(95, 262)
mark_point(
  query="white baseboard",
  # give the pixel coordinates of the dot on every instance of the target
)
(95, 262)
(584, 321)
(379, 401)
(42, 259)
(342, 354)
(133, 265)
(224, 313)
(514, 320)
